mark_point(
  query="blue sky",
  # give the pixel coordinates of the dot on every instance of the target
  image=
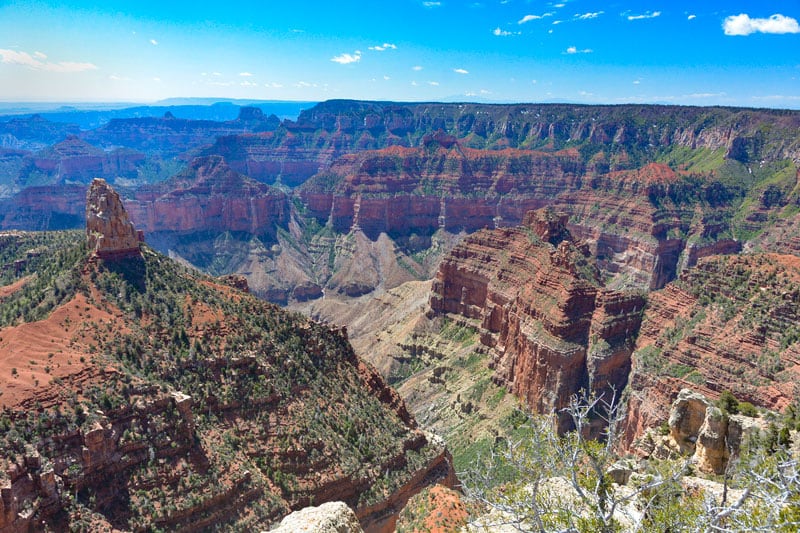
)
(662, 51)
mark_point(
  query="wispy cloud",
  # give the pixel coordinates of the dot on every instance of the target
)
(248, 83)
(433, 83)
(304, 84)
(587, 16)
(416, 67)
(648, 15)
(153, 42)
(504, 33)
(40, 55)
(744, 25)
(14, 57)
(382, 47)
(345, 59)
(460, 71)
(691, 17)
(245, 74)
(574, 50)
(431, 4)
(273, 85)
(528, 18)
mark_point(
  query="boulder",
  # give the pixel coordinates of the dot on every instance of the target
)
(331, 517)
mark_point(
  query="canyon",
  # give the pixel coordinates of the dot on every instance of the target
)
(624, 252)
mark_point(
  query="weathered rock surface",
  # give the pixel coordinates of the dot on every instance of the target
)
(331, 517)
(109, 232)
(701, 430)
(552, 328)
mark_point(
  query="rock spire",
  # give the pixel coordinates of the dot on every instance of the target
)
(109, 232)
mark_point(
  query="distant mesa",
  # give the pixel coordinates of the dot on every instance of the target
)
(109, 232)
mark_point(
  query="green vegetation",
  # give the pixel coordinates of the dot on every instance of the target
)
(273, 395)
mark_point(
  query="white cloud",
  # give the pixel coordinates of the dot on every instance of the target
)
(434, 83)
(416, 67)
(503, 33)
(382, 47)
(13, 57)
(587, 16)
(574, 50)
(744, 25)
(413, 83)
(528, 18)
(637, 82)
(647, 15)
(157, 79)
(345, 59)
(691, 17)
(557, 22)
(303, 84)
(245, 74)
(216, 73)
(248, 83)
(153, 42)
(559, 5)
(40, 55)
(460, 71)
(386, 78)
(273, 85)
(431, 4)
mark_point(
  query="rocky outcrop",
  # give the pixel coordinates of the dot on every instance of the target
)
(730, 323)
(552, 328)
(109, 232)
(703, 431)
(331, 517)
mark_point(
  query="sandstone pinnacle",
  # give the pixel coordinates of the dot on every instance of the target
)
(109, 232)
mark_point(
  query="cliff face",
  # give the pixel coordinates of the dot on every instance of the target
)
(629, 218)
(552, 329)
(210, 197)
(730, 323)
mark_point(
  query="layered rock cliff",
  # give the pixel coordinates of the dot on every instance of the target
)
(643, 225)
(730, 323)
(552, 327)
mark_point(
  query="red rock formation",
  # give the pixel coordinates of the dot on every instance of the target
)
(401, 191)
(209, 197)
(553, 331)
(109, 233)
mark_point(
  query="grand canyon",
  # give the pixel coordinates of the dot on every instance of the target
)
(445, 267)
(482, 260)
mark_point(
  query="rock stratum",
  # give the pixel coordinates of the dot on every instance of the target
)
(651, 189)
(729, 324)
(553, 330)
(138, 394)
